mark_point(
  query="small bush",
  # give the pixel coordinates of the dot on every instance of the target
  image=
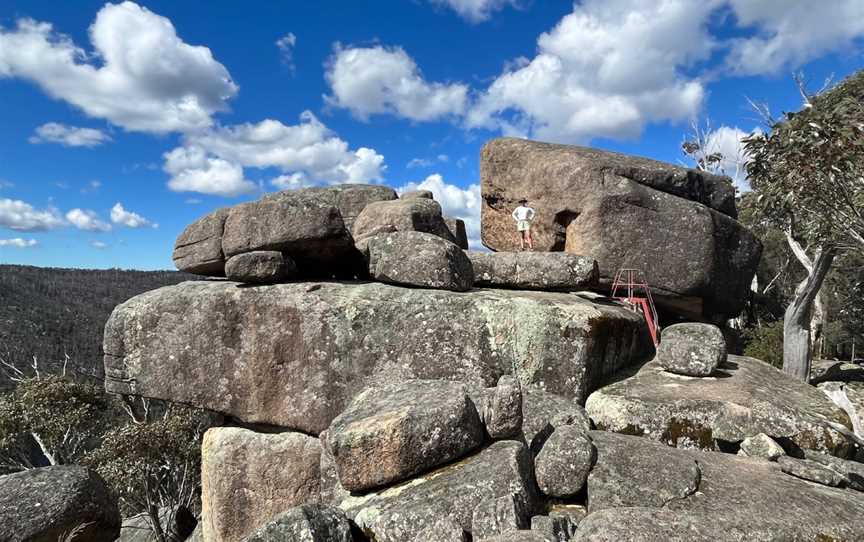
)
(766, 343)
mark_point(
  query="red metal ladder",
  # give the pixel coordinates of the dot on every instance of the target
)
(630, 281)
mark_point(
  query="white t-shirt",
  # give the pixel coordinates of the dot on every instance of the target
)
(523, 213)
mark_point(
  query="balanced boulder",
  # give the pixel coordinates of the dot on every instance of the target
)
(248, 478)
(419, 259)
(674, 224)
(46, 504)
(761, 445)
(387, 434)
(306, 523)
(563, 464)
(745, 397)
(260, 267)
(534, 270)
(691, 349)
(198, 249)
(295, 354)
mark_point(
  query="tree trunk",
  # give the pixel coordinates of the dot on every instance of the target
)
(796, 323)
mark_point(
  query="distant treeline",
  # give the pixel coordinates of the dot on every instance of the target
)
(51, 313)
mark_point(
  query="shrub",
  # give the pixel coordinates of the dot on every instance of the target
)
(766, 343)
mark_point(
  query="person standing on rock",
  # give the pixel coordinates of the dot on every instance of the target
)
(523, 215)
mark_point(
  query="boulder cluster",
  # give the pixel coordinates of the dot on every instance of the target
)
(379, 382)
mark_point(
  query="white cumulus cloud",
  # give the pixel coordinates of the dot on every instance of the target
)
(377, 80)
(605, 70)
(307, 153)
(87, 220)
(791, 33)
(21, 216)
(140, 75)
(69, 136)
(286, 44)
(457, 202)
(476, 11)
(18, 242)
(120, 215)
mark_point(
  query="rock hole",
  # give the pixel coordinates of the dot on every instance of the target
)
(562, 221)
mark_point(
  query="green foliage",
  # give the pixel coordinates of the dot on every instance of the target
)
(153, 465)
(809, 169)
(766, 343)
(61, 417)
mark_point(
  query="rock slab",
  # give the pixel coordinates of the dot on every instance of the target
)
(294, 355)
(248, 478)
(534, 270)
(260, 267)
(390, 433)
(45, 504)
(198, 249)
(744, 398)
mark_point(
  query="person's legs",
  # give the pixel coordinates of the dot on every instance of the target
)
(521, 240)
(528, 238)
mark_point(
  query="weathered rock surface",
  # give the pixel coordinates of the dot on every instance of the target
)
(542, 412)
(412, 214)
(630, 473)
(557, 528)
(43, 505)
(293, 355)
(563, 464)
(621, 211)
(499, 515)
(444, 530)
(849, 397)
(198, 249)
(351, 199)
(851, 471)
(812, 471)
(306, 523)
(389, 433)
(761, 445)
(260, 267)
(456, 226)
(534, 270)
(422, 194)
(745, 397)
(306, 225)
(248, 478)
(500, 408)
(691, 349)
(517, 536)
(419, 259)
(399, 513)
(177, 523)
(737, 499)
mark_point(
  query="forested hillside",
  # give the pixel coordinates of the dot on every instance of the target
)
(50, 312)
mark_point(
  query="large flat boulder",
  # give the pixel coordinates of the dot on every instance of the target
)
(248, 478)
(534, 270)
(625, 212)
(743, 398)
(414, 258)
(401, 513)
(293, 355)
(736, 499)
(389, 433)
(198, 248)
(46, 504)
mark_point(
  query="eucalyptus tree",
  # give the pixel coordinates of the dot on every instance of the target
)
(808, 170)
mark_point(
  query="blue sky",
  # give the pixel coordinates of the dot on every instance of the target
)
(121, 123)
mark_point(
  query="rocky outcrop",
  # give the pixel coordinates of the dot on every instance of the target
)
(625, 212)
(294, 355)
(691, 349)
(451, 493)
(389, 433)
(248, 478)
(46, 504)
(534, 270)
(306, 523)
(736, 498)
(744, 398)
(419, 259)
(260, 267)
